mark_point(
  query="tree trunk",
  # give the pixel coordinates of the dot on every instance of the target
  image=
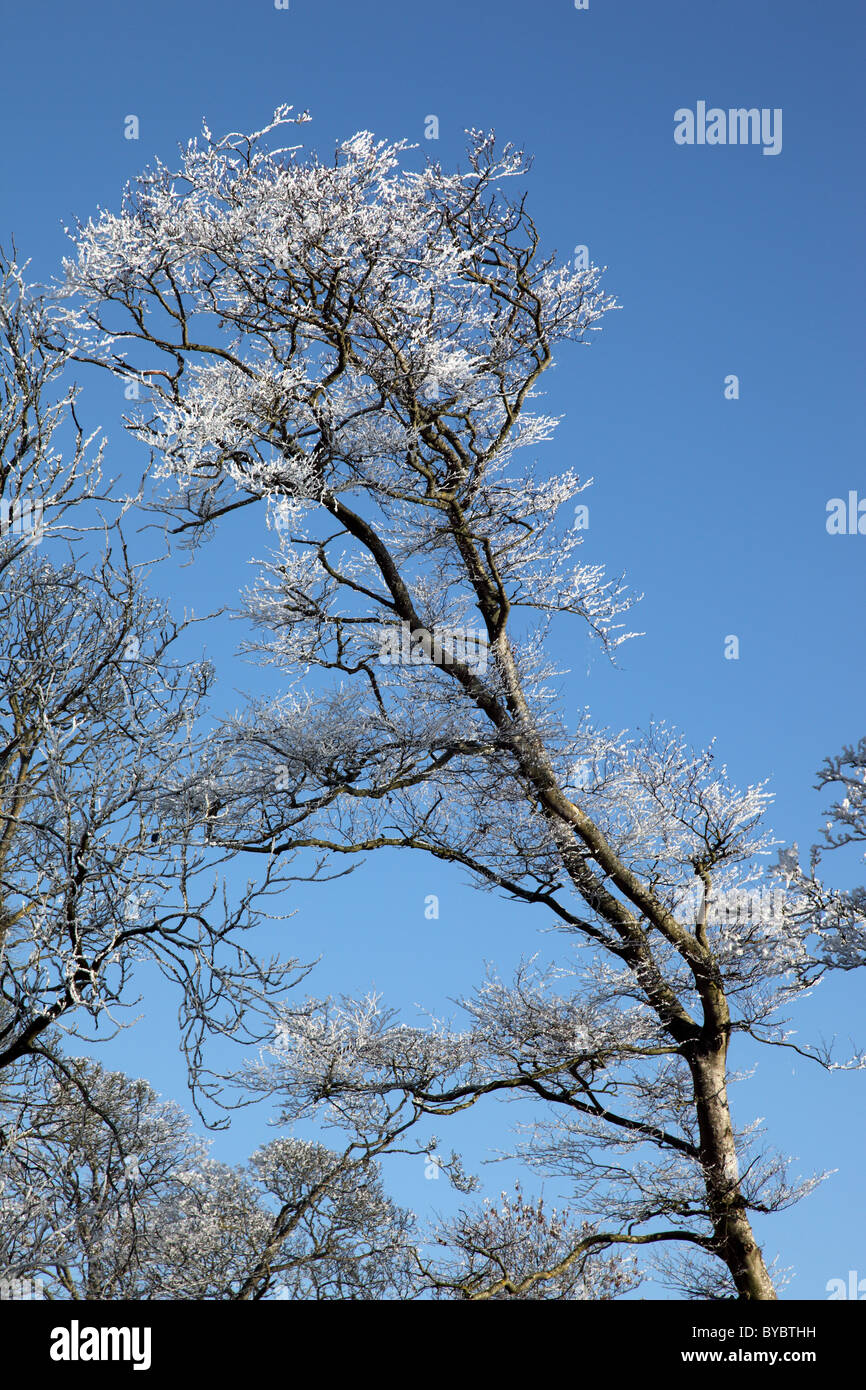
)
(734, 1240)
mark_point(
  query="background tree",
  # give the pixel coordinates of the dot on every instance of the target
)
(847, 771)
(843, 913)
(355, 346)
(96, 701)
(51, 481)
(518, 1248)
(107, 1194)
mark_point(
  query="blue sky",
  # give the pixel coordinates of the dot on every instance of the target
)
(724, 260)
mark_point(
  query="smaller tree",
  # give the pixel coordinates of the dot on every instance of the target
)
(846, 771)
(106, 1194)
(522, 1249)
(839, 913)
(843, 913)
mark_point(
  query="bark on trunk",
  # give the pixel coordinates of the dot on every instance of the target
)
(735, 1241)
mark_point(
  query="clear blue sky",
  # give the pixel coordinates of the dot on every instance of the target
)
(725, 261)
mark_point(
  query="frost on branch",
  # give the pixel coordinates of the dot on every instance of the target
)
(613, 1117)
(383, 328)
(520, 1248)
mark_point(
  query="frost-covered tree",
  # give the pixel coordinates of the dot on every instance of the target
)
(106, 1193)
(847, 772)
(520, 1248)
(844, 913)
(354, 346)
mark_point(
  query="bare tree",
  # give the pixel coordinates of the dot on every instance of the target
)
(51, 481)
(97, 875)
(354, 346)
